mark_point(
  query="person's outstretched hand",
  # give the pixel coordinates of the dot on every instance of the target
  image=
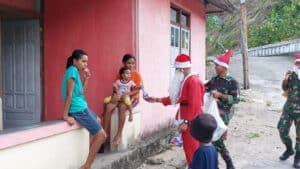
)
(150, 99)
(216, 94)
(182, 128)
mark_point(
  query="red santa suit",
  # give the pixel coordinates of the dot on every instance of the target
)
(191, 102)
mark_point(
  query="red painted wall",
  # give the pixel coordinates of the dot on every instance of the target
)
(19, 4)
(103, 28)
(154, 53)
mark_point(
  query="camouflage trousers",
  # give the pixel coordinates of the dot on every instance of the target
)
(219, 144)
(289, 116)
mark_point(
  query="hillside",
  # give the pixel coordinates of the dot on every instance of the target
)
(269, 21)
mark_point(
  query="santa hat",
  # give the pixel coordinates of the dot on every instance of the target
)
(223, 60)
(297, 57)
(183, 61)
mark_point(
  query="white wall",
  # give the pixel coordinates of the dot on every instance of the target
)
(63, 151)
(131, 131)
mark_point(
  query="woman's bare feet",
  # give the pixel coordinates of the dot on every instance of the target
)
(130, 117)
(117, 139)
(85, 167)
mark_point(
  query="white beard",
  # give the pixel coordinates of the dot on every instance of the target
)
(297, 71)
(175, 86)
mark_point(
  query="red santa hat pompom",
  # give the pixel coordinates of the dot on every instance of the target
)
(297, 57)
(183, 61)
(223, 60)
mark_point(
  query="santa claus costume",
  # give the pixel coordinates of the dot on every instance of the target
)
(189, 95)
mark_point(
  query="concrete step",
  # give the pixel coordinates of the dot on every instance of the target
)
(134, 156)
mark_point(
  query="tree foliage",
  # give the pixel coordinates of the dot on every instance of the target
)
(277, 21)
(282, 23)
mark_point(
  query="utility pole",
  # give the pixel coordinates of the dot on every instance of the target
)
(244, 43)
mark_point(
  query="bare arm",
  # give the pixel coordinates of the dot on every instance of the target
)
(219, 95)
(87, 75)
(85, 83)
(284, 85)
(134, 91)
(70, 87)
(232, 98)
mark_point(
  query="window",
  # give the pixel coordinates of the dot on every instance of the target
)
(180, 33)
(174, 37)
(174, 15)
(184, 20)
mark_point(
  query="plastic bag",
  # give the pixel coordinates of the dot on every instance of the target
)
(177, 140)
(210, 107)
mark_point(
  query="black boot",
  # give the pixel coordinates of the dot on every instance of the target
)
(288, 152)
(297, 160)
(226, 157)
(229, 164)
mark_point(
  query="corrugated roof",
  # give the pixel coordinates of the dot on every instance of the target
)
(218, 6)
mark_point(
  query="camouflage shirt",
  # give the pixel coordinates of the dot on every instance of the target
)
(228, 86)
(292, 86)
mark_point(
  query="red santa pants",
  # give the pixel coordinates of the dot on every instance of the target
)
(190, 145)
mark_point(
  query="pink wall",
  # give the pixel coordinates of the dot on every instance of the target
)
(103, 28)
(154, 53)
(198, 47)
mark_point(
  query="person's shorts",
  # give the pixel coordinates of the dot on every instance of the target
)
(109, 98)
(88, 120)
(127, 101)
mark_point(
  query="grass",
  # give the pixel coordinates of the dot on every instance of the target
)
(253, 135)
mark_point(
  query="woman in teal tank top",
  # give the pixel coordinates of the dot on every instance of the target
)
(75, 105)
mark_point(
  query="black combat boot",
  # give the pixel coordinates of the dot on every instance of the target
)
(297, 160)
(288, 152)
(229, 164)
(226, 157)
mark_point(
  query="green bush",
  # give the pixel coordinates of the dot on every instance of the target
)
(282, 23)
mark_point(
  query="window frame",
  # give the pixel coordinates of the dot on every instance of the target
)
(178, 23)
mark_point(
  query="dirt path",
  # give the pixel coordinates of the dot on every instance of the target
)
(253, 140)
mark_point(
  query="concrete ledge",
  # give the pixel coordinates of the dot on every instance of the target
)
(66, 150)
(135, 156)
(14, 137)
(131, 130)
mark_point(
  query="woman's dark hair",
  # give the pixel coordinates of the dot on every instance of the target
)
(122, 70)
(126, 57)
(76, 54)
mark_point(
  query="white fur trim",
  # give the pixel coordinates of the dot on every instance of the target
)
(182, 64)
(221, 63)
(297, 60)
(189, 75)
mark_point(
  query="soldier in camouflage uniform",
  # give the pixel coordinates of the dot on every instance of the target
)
(291, 112)
(225, 89)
